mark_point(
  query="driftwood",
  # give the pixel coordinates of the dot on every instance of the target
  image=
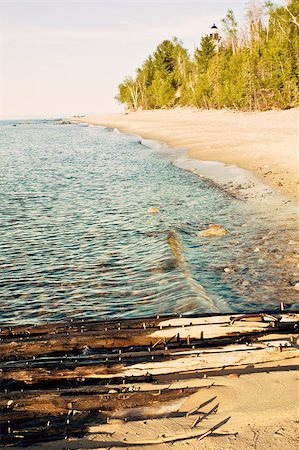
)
(204, 416)
(58, 379)
(192, 411)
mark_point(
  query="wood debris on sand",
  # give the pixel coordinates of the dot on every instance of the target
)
(59, 379)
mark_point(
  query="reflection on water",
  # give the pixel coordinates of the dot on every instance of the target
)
(77, 239)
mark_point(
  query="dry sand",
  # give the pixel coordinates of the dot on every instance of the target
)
(265, 143)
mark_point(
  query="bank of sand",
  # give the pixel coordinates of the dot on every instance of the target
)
(265, 143)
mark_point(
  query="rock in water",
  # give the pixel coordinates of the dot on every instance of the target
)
(153, 210)
(214, 230)
(215, 226)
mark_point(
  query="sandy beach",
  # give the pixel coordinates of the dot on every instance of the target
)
(265, 143)
(261, 406)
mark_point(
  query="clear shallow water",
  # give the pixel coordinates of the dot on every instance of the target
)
(77, 240)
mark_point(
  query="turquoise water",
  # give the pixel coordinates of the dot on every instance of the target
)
(77, 240)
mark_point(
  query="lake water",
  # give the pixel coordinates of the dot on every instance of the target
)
(77, 240)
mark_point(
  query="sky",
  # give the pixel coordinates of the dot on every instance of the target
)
(65, 57)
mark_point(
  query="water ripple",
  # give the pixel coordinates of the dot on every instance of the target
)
(77, 240)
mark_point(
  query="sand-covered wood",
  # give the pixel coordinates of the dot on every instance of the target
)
(57, 380)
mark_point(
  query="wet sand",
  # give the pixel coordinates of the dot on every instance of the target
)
(265, 143)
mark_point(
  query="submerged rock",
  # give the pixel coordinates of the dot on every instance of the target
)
(214, 230)
(153, 210)
(214, 226)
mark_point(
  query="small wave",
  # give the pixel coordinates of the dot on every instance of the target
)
(180, 262)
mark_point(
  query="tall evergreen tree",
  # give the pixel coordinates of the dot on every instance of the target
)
(258, 72)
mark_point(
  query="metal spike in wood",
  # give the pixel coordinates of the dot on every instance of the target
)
(171, 338)
(159, 341)
(294, 341)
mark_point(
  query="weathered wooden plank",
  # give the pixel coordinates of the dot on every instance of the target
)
(129, 324)
(45, 428)
(181, 364)
(74, 341)
(54, 403)
(135, 356)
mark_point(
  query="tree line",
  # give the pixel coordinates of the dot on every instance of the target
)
(255, 68)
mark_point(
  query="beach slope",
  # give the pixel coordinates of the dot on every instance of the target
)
(265, 143)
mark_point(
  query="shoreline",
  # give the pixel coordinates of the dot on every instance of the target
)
(263, 143)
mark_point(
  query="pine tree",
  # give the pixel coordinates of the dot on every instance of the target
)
(256, 72)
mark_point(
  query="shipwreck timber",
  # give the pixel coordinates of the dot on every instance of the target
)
(58, 379)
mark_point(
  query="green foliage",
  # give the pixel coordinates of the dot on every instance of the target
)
(259, 71)
(206, 52)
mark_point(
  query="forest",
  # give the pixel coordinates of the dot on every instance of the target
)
(255, 67)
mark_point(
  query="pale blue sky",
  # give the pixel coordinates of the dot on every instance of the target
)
(68, 56)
